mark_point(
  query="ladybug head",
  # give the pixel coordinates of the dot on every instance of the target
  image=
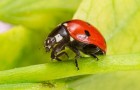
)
(49, 42)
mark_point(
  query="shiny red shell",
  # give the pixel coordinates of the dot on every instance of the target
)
(76, 29)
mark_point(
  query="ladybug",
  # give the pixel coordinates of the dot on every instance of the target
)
(78, 35)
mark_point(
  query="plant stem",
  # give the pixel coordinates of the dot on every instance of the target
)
(57, 70)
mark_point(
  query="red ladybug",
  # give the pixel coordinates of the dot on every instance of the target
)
(78, 35)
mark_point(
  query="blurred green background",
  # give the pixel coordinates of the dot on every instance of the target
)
(31, 20)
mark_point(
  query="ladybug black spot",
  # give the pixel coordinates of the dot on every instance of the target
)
(87, 33)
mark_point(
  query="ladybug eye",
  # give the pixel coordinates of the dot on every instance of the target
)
(87, 33)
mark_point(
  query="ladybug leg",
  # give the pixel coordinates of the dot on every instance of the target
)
(62, 53)
(76, 51)
(76, 63)
(58, 59)
(95, 56)
(59, 47)
(76, 57)
(96, 52)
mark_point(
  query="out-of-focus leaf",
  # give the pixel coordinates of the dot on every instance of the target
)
(118, 21)
(37, 14)
(128, 80)
(10, 48)
(36, 18)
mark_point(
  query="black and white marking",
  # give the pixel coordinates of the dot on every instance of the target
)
(58, 37)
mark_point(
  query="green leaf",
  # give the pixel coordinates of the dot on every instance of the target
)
(49, 71)
(19, 46)
(37, 14)
(118, 21)
(31, 21)
(128, 80)
(34, 86)
(10, 46)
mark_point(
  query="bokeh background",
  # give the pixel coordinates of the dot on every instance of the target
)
(27, 24)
